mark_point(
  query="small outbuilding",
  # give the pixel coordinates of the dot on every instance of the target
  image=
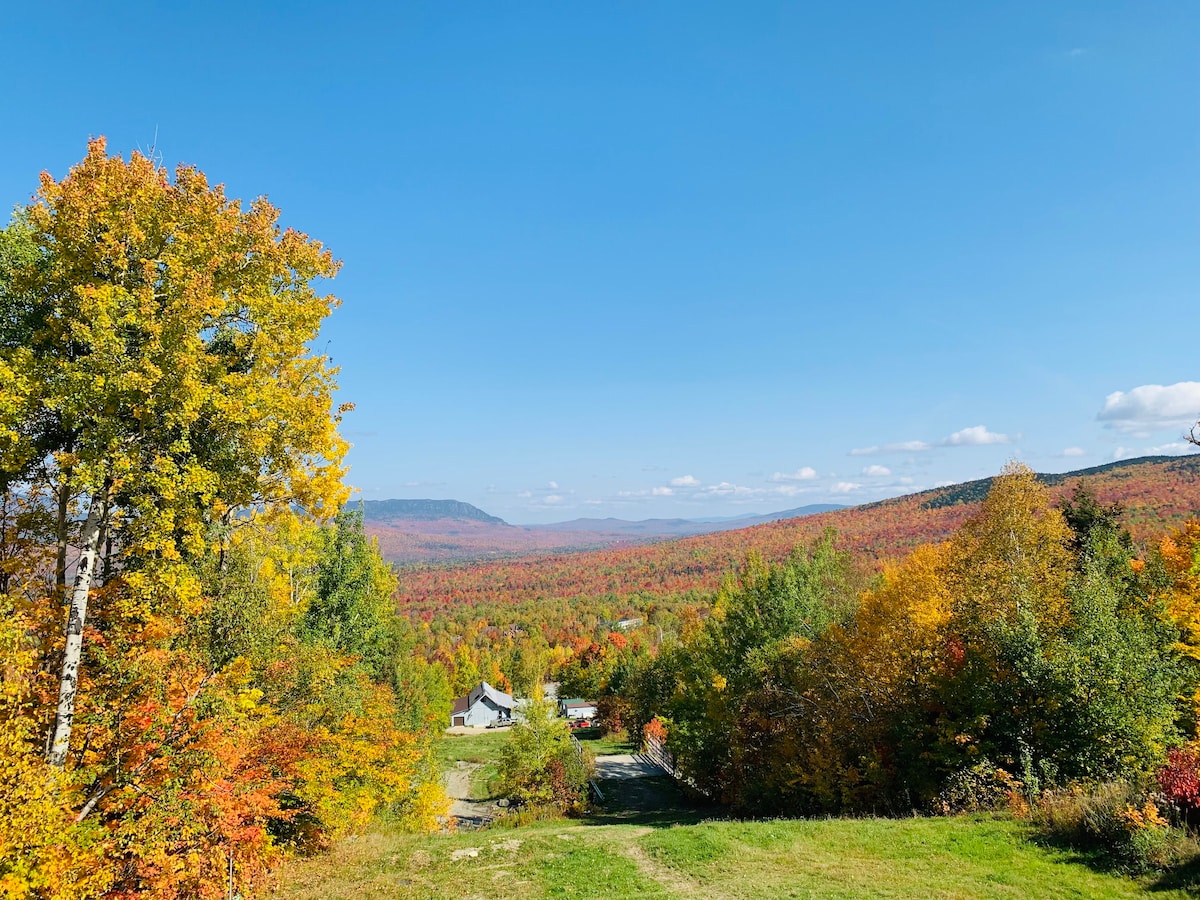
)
(577, 708)
(482, 705)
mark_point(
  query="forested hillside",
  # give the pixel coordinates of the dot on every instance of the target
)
(1156, 493)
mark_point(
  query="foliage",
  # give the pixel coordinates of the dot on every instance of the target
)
(541, 765)
(229, 669)
(1120, 820)
(970, 675)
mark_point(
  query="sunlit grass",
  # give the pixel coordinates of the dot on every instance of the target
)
(960, 857)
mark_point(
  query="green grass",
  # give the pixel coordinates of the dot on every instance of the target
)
(960, 858)
(472, 748)
(605, 744)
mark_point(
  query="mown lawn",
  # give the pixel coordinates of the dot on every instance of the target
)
(955, 858)
(605, 744)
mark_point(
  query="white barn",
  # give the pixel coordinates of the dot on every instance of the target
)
(482, 705)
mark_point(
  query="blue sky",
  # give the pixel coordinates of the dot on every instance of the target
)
(658, 259)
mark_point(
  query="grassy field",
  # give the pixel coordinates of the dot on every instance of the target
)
(960, 858)
(605, 744)
(651, 841)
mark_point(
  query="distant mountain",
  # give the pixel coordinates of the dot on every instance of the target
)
(412, 531)
(424, 511)
(1158, 493)
(683, 527)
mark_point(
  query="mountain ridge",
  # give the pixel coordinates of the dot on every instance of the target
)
(1158, 494)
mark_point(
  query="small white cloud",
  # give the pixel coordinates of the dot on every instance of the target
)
(728, 489)
(804, 473)
(1152, 407)
(662, 492)
(594, 502)
(1074, 451)
(553, 485)
(525, 495)
(552, 499)
(877, 471)
(975, 436)
(845, 487)
(901, 447)
(1175, 448)
(685, 481)
(1076, 52)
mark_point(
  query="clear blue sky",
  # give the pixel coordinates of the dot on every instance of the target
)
(656, 259)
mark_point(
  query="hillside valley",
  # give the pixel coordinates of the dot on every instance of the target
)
(440, 531)
(1157, 493)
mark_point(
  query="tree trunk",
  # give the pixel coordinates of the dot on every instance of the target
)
(60, 534)
(89, 545)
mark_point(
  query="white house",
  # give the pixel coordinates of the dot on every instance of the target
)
(577, 708)
(482, 705)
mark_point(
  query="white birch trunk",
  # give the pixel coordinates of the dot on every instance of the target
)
(89, 543)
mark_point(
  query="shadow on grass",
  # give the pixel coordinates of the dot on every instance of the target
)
(656, 801)
(1183, 877)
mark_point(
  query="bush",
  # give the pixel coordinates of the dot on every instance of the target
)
(1121, 820)
(980, 788)
(541, 765)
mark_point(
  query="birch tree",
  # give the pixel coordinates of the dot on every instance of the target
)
(167, 381)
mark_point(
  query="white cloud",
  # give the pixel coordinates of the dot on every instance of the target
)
(1152, 407)
(877, 471)
(795, 490)
(1074, 451)
(805, 473)
(525, 495)
(1175, 448)
(553, 485)
(845, 487)
(594, 502)
(662, 492)
(901, 447)
(728, 489)
(685, 481)
(1075, 52)
(975, 436)
(552, 499)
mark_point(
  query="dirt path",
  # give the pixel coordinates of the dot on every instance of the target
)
(622, 767)
(672, 881)
(458, 789)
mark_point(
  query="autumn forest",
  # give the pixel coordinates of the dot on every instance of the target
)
(208, 667)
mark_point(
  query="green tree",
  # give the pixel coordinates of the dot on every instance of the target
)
(166, 381)
(352, 609)
(540, 764)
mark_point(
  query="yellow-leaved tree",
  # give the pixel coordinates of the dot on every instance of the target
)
(166, 377)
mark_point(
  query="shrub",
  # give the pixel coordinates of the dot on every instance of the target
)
(541, 765)
(1119, 819)
(980, 788)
